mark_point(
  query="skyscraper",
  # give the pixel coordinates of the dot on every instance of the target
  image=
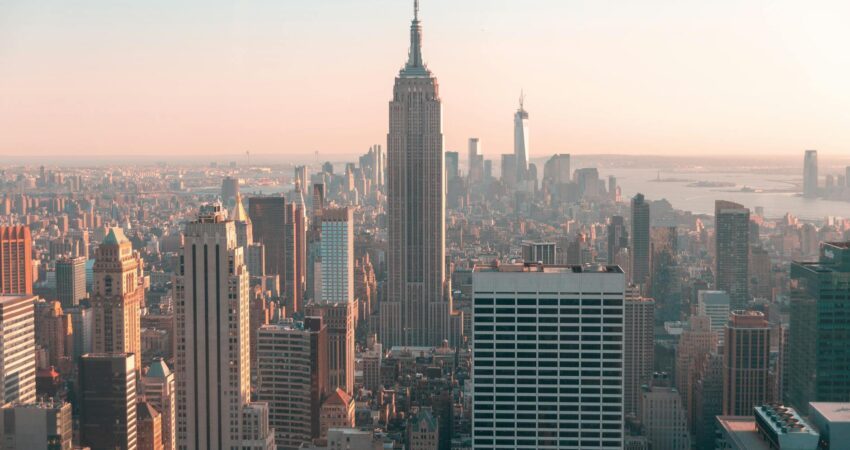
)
(545, 252)
(663, 415)
(475, 161)
(159, 389)
(715, 305)
(71, 280)
(229, 190)
(418, 305)
(640, 240)
(810, 174)
(244, 228)
(521, 140)
(118, 294)
(452, 166)
(268, 220)
(542, 378)
(30, 426)
(108, 400)
(746, 360)
(337, 256)
(15, 260)
(819, 335)
(292, 378)
(618, 237)
(639, 351)
(732, 251)
(213, 342)
(17, 349)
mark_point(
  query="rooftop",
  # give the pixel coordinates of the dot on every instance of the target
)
(536, 267)
(832, 411)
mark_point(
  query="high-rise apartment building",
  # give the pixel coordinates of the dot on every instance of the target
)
(107, 401)
(732, 251)
(292, 378)
(715, 305)
(819, 336)
(30, 426)
(159, 388)
(213, 337)
(810, 174)
(418, 304)
(746, 363)
(71, 280)
(337, 256)
(117, 296)
(548, 357)
(696, 341)
(639, 348)
(15, 260)
(663, 415)
(17, 349)
(640, 241)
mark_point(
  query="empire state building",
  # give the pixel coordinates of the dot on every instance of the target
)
(417, 307)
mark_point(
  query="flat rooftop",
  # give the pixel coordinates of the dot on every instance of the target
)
(546, 268)
(832, 411)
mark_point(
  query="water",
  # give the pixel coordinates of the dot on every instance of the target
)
(700, 200)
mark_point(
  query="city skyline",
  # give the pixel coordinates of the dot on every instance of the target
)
(781, 90)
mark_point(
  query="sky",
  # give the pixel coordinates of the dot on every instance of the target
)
(288, 78)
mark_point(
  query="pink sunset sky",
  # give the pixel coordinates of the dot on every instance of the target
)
(290, 78)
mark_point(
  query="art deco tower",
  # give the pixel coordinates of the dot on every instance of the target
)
(418, 304)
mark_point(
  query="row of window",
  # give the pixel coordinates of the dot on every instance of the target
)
(618, 301)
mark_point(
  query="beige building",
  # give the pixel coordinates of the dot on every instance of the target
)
(337, 411)
(17, 349)
(663, 416)
(32, 426)
(149, 427)
(695, 343)
(118, 293)
(423, 431)
(158, 386)
(639, 351)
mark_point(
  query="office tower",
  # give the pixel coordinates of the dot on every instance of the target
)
(452, 165)
(521, 150)
(53, 332)
(337, 412)
(423, 432)
(708, 401)
(696, 341)
(82, 323)
(716, 306)
(148, 427)
(337, 256)
(242, 221)
(544, 252)
(810, 174)
(639, 351)
(229, 190)
(663, 415)
(256, 259)
(529, 331)
(17, 349)
(117, 297)
(268, 220)
(587, 180)
(556, 171)
(761, 283)
(292, 378)
(31, 426)
(159, 387)
(509, 170)
(71, 280)
(640, 240)
(819, 336)
(300, 178)
(107, 401)
(612, 188)
(732, 251)
(475, 161)
(15, 260)
(418, 303)
(618, 237)
(488, 170)
(295, 251)
(664, 279)
(213, 336)
(746, 360)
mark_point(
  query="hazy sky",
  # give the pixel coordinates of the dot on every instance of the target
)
(291, 77)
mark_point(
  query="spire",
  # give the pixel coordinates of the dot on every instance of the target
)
(414, 57)
(521, 100)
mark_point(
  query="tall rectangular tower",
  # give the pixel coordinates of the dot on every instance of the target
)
(746, 362)
(117, 297)
(15, 260)
(418, 304)
(108, 400)
(548, 357)
(732, 251)
(639, 351)
(640, 241)
(213, 336)
(17, 349)
(71, 280)
(810, 174)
